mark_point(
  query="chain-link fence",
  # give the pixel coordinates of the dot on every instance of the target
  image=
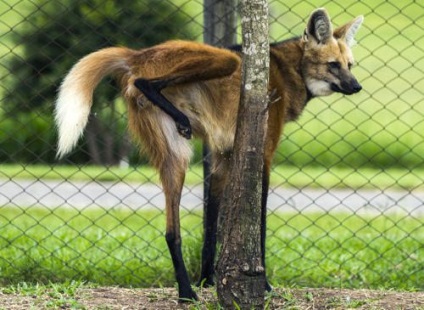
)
(346, 205)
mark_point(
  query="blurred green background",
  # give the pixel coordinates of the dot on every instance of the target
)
(380, 127)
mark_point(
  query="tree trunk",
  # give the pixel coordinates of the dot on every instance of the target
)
(241, 275)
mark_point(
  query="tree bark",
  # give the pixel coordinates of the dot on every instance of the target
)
(241, 275)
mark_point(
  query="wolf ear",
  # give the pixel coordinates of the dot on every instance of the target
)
(348, 31)
(319, 27)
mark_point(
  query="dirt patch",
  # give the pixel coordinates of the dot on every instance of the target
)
(166, 298)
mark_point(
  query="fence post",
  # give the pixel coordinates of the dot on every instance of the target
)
(220, 29)
(220, 22)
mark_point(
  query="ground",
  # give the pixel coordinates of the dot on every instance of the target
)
(106, 298)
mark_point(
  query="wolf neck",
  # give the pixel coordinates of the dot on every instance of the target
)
(286, 76)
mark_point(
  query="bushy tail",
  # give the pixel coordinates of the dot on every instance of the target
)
(75, 97)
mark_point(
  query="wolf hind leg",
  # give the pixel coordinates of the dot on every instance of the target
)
(172, 180)
(195, 67)
(172, 169)
(152, 90)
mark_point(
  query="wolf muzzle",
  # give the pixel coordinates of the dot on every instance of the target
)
(347, 87)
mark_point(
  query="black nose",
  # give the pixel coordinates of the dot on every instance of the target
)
(356, 87)
(351, 87)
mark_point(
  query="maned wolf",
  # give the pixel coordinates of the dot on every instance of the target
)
(179, 88)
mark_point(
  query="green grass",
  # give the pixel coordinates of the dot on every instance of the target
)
(282, 175)
(122, 247)
(106, 247)
(348, 251)
(83, 173)
(51, 295)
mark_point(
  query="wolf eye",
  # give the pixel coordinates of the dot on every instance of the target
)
(334, 65)
(349, 65)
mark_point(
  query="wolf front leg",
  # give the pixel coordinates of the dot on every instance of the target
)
(218, 181)
(210, 219)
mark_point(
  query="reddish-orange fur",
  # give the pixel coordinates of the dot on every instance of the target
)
(203, 82)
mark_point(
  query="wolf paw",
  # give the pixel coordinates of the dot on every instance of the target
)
(184, 130)
(187, 296)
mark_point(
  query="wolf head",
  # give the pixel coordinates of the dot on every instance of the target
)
(327, 58)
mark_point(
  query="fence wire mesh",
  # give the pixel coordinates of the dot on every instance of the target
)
(346, 205)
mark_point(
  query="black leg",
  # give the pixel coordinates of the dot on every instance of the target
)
(217, 183)
(185, 291)
(209, 242)
(172, 175)
(209, 224)
(151, 89)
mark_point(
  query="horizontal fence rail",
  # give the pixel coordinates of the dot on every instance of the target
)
(346, 202)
